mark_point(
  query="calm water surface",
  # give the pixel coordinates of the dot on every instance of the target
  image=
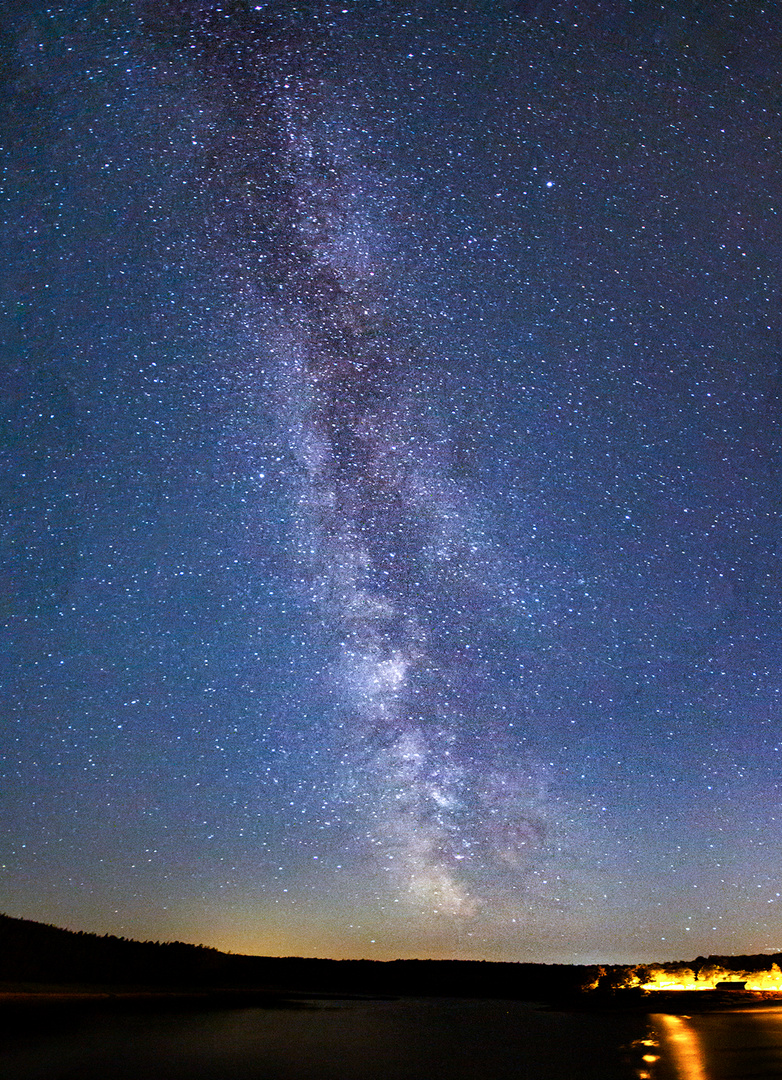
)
(394, 1040)
(723, 1045)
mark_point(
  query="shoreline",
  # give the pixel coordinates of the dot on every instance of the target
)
(674, 1002)
(28, 999)
(31, 999)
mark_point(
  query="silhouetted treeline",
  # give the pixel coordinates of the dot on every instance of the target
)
(37, 952)
(32, 952)
(755, 962)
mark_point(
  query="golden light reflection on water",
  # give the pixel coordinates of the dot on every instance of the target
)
(683, 1046)
(648, 1050)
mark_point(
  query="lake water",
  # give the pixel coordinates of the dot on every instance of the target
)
(723, 1045)
(392, 1040)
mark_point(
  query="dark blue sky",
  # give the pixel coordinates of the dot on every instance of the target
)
(390, 476)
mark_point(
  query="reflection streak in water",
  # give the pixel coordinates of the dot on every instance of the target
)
(682, 1045)
(741, 1043)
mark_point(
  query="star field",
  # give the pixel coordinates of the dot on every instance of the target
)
(390, 477)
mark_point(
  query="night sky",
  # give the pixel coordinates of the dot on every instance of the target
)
(390, 472)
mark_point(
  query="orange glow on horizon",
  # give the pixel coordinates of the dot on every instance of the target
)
(707, 979)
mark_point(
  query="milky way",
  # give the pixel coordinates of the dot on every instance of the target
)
(403, 575)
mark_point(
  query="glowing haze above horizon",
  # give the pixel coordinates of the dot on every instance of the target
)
(391, 476)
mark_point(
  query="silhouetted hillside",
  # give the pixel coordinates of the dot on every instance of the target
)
(36, 952)
(32, 952)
